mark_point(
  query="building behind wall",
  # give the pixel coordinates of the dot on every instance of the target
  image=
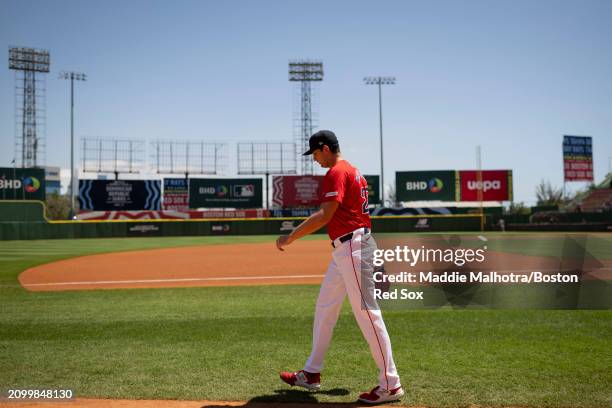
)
(52, 177)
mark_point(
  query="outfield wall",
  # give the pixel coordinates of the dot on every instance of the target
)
(26, 220)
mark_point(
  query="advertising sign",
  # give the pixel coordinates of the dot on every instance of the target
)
(373, 188)
(118, 195)
(578, 158)
(143, 230)
(176, 194)
(435, 185)
(22, 184)
(496, 185)
(296, 191)
(225, 193)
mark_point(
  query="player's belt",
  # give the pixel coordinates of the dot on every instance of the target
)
(348, 236)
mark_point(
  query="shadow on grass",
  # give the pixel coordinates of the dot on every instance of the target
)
(287, 398)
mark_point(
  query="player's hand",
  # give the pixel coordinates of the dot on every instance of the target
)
(282, 241)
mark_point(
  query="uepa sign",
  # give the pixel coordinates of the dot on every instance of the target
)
(484, 185)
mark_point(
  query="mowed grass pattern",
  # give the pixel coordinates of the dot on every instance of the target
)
(230, 342)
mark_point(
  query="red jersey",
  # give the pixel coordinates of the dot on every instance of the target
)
(345, 184)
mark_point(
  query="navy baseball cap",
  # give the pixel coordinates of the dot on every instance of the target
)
(320, 139)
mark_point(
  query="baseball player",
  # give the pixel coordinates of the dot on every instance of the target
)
(344, 209)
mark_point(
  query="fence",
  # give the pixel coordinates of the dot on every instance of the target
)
(26, 220)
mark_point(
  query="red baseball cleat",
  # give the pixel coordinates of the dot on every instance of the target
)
(379, 395)
(310, 381)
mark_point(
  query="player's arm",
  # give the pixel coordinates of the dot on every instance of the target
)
(311, 224)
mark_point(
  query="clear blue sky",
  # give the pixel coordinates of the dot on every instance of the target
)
(511, 76)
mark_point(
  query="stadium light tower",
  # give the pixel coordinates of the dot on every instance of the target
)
(29, 102)
(305, 72)
(380, 81)
(72, 76)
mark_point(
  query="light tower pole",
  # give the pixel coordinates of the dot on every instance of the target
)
(72, 76)
(305, 72)
(380, 81)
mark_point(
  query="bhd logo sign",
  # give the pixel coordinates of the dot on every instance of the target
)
(19, 184)
(416, 185)
(10, 184)
(222, 191)
(434, 185)
(29, 184)
(220, 228)
(430, 185)
(218, 191)
(207, 190)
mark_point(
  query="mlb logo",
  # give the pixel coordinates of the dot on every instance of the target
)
(245, 190)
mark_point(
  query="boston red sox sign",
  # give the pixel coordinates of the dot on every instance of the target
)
(297, 191)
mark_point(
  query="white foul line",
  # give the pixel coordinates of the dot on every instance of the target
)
(234, 278)
(174, 280)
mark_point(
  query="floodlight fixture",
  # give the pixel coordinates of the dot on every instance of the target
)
(379, 80)
(29, 59)
(305, 70)
(76, 76)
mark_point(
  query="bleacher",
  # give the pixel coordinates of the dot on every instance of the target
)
(597, 200)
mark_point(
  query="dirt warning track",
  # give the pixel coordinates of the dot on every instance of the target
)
(206, 265)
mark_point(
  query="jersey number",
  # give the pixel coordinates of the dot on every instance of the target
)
(364, 195)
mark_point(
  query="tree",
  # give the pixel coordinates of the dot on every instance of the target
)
(58, 207)
(546, 194)
(518, 208)
(392, 196)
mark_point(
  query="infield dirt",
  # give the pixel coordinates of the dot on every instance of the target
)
(304, 262)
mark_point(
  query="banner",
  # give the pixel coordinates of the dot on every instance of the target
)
(496, 185)
(144, 230)
(293, 212)
(176, 194)
(22, 184)
(578, 158)
(296, 191)
(224, 193)
(436, 185)
(117, 195)
(373, 188)
(394, 212)
(171, 215)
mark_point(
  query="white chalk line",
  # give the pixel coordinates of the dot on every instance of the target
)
(233, 278)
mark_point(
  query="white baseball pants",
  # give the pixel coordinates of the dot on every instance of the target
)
(350, 273)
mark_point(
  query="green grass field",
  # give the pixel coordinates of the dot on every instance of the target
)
(229, 343)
